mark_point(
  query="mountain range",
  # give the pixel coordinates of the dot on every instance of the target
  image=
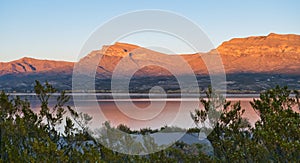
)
(272, 55)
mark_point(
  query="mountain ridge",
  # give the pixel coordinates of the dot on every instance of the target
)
(31, 65)
(251, 64)
(278, 53)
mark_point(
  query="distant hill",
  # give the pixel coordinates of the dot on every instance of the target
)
(272, 54)
(269, 54)
(30, 65)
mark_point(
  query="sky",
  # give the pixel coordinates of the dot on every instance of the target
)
(57, 29)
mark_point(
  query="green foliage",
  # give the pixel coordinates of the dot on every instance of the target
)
(275, 137)
(206, 118)
(28, 136)
(278, 130)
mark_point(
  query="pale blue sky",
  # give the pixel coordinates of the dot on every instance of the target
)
(57, 29)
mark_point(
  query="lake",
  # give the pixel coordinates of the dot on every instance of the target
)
(141, 112)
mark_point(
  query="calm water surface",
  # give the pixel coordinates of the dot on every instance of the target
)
(142, 112)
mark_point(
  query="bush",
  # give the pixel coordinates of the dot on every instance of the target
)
(26, 136)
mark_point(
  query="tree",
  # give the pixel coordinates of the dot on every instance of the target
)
(278, 130)
(230, 134)
(206, 118)
(28, 136)
(275, 137)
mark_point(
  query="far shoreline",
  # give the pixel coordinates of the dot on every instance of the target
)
(146, 95)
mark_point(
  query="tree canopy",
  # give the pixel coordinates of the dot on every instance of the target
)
(28, 136)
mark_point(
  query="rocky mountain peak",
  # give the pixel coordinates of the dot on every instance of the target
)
(286, 45)
(276, 53)
(118, 49)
